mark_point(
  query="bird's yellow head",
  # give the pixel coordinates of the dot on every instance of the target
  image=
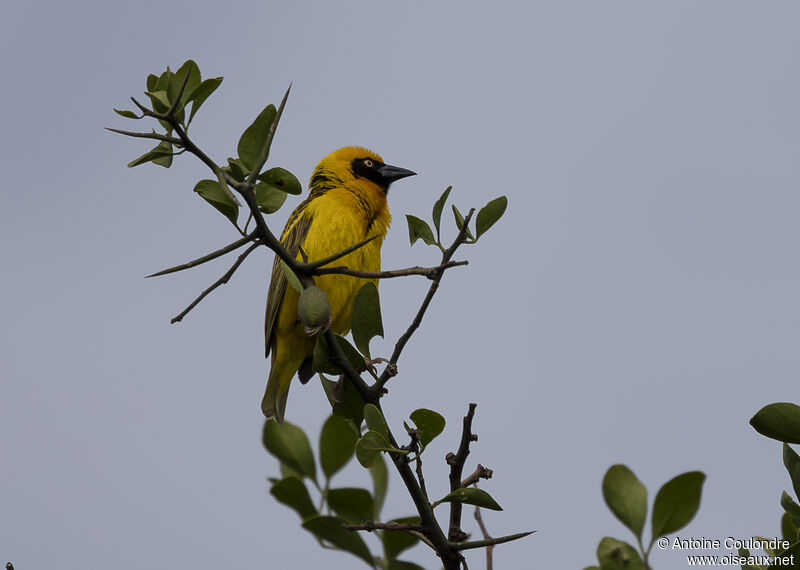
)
(354, 163)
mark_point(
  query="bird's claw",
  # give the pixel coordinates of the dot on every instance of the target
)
(312, 331)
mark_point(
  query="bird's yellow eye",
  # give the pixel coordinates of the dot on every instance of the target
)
(368, 163)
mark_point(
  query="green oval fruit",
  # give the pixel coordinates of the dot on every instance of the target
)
(313, 307)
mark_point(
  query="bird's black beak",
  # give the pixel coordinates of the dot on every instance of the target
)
(391, 173)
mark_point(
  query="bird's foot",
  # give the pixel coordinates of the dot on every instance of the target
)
(313, 331)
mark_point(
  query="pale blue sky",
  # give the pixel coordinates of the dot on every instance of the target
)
(637, 304)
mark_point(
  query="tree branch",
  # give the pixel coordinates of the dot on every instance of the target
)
(429, 272)
(450, 558)
(221, 281)
(456, 462)
(370, 526)
(213, 255)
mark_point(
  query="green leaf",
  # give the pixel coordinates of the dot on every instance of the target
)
(287, 471)
(779, 421)
(281, 179)
(626, 497)
(157, 155)
(744, 554)
(419, 229)
(460, 221)
(472, 496)
(792, 508)
(236, 169)
(369, 448)
(190, 68)
(202, 92)
(289, 443)
(292, 492)
(489, 214)
(403, 565)
(269, 198)
(292, 279)
(676, 503)
(323, 360)
(352, 504)
(160, 101)
(254, 136)
(166, 160)
(152, 80)
(176, 81)
(792, 462)
(789, 530)
(429, 425)
(127, 114)
(375, 420)
(614, 554)
(330, 529)
(346, 402)
(437, 211)
(211, 192)
(380, 483)
(366, 317)
(337, 443)
(788, 558)
(396, 541)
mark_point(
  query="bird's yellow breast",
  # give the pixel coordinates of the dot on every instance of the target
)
(340, 218)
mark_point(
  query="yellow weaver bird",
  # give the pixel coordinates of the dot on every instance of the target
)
(346, 205)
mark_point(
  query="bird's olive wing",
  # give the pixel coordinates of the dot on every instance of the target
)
(292, 241)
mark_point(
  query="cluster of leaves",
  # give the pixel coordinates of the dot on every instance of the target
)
(781, 421)
(675, 505)
(486, 218)
(163, 91)
(340, 440)
(336, 506)
(355, 429)
(174, 93)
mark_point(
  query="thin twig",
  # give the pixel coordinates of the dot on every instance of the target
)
(429, 272)
(154, 136)
(221, 281)
(486, 536)
(489, 542)
(416, 530)
(213, 255)
(339, 254)
(480, 473)
(456, 461)
(401, 342)
(415, 447)
(370, 526)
